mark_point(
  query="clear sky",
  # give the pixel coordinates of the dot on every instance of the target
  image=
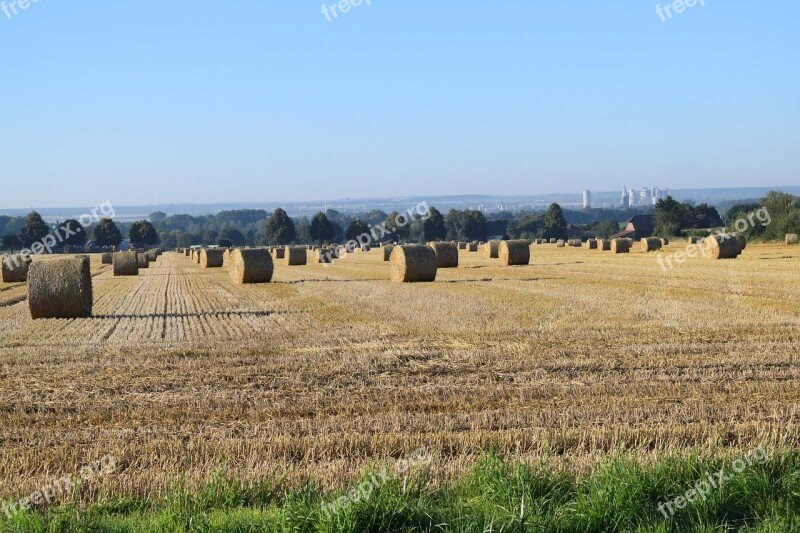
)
(142, 102)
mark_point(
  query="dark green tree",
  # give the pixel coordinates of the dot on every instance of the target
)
(606, 228)
(280, 228)
(555, 225)
(399, 227)
(475, 226)
(157, 217)
(34, 230)
(106, 233)
(232, 236)
(11, 243)
(322, 229)
(143, 234)
(433, 227)
(355, 229)
(73, 233)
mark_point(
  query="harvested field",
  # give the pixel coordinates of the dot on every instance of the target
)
(182, 373)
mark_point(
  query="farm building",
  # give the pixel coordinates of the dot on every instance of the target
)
(638, 227)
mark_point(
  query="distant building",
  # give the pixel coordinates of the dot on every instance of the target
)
(587, 199)
(638, 227)
(645, 197)
(624, 198)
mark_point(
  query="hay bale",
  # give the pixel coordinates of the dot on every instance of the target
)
(251, 266)
(106, 258)
(791, 239)
(125, 264)
(591, 244)
(296, 255)
(561, 244)
(539, 241)
(741, 240)
(226, 256)
(324, 255)
(472, 247)
(724, 246)
(692, 240)
(492, 250)
(152, 255)
(279, 252)
(159, 251)
(665, 242)
(413, 263)
(553, 241)
(143, 260)
(604, 245)
(15, 268)
(462, 246)
(365, 248)
(188, 252)
(516, 252)
(650, 244)
(61, 288)
(446, 254)
(211, 258)
(387, 252)
(620, 246)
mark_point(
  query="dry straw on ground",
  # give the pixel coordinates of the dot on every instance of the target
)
(446, 254)
(15, 268)
(650, 244)
(61, 288)
(516, 252)
(212, 258)
(251, 266)
(125, 264)
(296, 255)
(491, 249)
(413, 263)
(620, 246)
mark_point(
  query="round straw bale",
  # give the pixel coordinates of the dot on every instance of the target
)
(620, 246)
(61, 288)
(187, 252)
(604, 245)
(539, 241)
(462, 246)
(125, 264)
(664, 241)
(251, 266)
(323, 255)
(791, 238)
(561, 244)
(741, 240)
(365, 248)
(15, 268)
(106, 258)
(692, 240)
(516, 252)
(591, 244)
(296, 255)
(492, 249)
(143, 260)
(152, 256)
(723, 246)
(650, 244)
(472, 247)
(446, 254)
(159, 251)
(226, 256)
(412, 263)
(279, 252)
(211, 258)
(387, 252)
(553, 241)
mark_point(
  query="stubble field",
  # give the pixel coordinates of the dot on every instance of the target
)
(182, 375)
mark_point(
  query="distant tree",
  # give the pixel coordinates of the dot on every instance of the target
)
(143, 234)
(303, 231)
(157, 217)
(280, 228)
(475, 226)
(106, 233)
(454, 222)
(356, 228)
(735, 212)
(399, 226)
(433, 227)
(183, 240)
(209, 237)
(555, 225)
(73, 233)
(322, 229)
(167, 239)
(232, 236)
(606, 228)
(224, 243)
(34, 230)
(11, 243)
(706, 216)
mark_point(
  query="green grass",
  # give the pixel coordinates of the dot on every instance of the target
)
(497, 496)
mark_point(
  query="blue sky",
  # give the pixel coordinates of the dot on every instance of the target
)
(194, 101)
